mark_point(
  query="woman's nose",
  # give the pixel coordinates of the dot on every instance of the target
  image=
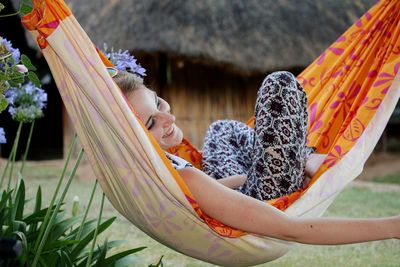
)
(167, 118)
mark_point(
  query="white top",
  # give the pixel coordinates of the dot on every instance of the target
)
(178, 162)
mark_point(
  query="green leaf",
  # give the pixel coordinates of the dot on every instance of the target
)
(59, 244)
(34, 79)
(38, 204)
(3, 77)
(15, 82)
(87, 227)
(102, 252)
(3, 103)
(4, 85)
(86, 239)
(158, 264)
(42, 262)
(115, 243)
(18, 210)
(112, 259)
(59, 229)
(5, 197)
(110, 245)
(27, 63)
(19, 226)
(130, 260)
(67, 258)
(24, 256)
(15, 75)
(61, 259)
(25, 9)
(38, 201)
(98, 256)
(37, 216)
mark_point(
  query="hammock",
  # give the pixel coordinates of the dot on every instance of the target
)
(352, 87)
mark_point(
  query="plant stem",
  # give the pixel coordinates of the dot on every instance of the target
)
(95, 233)
(49, 226)
(6, 167)
(9, 15)
(12, 14)
(60, 179)
(28, 143)
(8, 163)
(78, 235)
(14, 154)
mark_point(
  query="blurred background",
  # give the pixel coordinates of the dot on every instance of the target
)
(206, 58)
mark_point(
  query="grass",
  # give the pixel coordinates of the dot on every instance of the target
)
(355, 201)
(391, 179)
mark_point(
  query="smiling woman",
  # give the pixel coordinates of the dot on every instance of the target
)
(229, 206)
(154, 111)
(233, 152)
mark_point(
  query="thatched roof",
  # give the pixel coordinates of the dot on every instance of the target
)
(252, 35)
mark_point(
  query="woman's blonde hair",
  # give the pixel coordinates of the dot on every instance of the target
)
(128, 82)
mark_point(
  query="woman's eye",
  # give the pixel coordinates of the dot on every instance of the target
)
(158, 102)
(151, 125)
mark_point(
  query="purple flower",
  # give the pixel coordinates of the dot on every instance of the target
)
(14, 51)
(123, 60)
(26, 102)
(3, 139)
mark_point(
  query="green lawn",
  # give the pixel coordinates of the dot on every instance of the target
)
(355, 201)
(391, 179)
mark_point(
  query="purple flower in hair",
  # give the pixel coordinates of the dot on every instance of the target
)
(123, 60)
(3, 139)
(26, 102)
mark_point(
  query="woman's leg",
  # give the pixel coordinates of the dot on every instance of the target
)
(280, 150)
(227, 149)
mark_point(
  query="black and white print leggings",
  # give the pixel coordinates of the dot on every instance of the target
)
(273, 154)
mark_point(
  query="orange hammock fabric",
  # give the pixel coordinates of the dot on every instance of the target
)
(345, 86)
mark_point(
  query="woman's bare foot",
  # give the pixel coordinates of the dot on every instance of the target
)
(313, 163)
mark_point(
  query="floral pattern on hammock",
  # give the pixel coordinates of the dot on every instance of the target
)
(345, 86)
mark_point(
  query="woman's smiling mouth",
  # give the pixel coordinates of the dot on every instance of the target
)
(169, 132)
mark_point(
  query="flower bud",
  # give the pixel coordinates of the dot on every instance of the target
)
(75, 205)
(21, 68)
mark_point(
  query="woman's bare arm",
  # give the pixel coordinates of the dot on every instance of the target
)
(251, 215)
(233, 181)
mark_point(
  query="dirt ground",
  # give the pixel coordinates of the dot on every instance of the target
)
(380, 165)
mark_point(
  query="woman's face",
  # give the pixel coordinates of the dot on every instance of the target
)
(156, 115)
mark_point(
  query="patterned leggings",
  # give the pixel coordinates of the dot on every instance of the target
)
(274, 153)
